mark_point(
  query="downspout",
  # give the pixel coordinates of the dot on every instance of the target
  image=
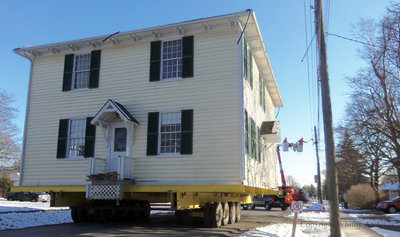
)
(26, 122)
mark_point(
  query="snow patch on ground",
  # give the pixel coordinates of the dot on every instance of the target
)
(276, 230)
(385, 233)
(24, 220)
(394, 216)
(312, 216)
(316, 207)
(376, 222)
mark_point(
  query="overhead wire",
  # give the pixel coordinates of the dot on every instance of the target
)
(308, 67)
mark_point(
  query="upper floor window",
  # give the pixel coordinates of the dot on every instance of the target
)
(81, 71)
(171, 59)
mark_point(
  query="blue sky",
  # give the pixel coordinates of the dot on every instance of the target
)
(283, 25)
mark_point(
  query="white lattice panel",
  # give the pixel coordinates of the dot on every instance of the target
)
(104, 191)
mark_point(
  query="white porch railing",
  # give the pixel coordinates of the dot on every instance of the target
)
(97, 165)
(125, 167)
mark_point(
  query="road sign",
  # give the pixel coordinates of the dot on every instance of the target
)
(297, 206)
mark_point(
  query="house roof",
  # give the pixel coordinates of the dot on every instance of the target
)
(109, 112)
(390, 187)
(252, 34)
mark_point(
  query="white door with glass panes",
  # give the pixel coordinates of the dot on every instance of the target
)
(118, 142)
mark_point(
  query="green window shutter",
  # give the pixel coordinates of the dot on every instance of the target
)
(245, 57)
(260, 84)
(253, 139)
(187, 132)
(246, 132)
(152, 134)
(259, 143)
(187, 56)
(155, 60)
(90, 137)
(263, 93)
(62, 139)
(251, 69)
(68, 68)
(94, 69)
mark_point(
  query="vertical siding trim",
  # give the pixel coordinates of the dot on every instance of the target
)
(241, 102)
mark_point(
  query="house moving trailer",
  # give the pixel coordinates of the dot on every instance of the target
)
(169, 114)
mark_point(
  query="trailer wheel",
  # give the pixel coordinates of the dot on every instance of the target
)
(10, 199)
(207, 214)
(102, 215)
(74, 214)
(225, 217)
(238, 211)
(217, 213)
(145, 210)
(179, 217)
(232, 212)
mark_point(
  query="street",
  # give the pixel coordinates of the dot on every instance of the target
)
(157, 225)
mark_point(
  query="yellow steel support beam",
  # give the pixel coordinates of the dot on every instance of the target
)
(60, 188)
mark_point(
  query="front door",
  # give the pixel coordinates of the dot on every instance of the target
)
(117, 145)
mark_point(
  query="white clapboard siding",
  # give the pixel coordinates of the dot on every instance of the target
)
(259, 174)
(213, 94)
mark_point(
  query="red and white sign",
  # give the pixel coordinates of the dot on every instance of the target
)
(297, 206)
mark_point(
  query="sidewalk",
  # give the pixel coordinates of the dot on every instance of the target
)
(355, 228)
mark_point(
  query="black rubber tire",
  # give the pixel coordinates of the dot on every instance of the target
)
(253, 206)
(74, 214)
(145, 212)
(225, 217)
(179, 217)
(391, 209)
(34, 200)
(284, 208)
(10, 199)
(217, 213)
(232, 213)
(238, 211)
(102, 215)
(245, 207)
(187, 219)
(207, 215)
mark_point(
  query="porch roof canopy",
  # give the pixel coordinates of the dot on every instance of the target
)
(112, 110)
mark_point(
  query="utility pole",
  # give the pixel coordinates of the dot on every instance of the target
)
(318, 168)
(333, 195)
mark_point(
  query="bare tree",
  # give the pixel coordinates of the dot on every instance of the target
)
(375, 98)
(9, 141)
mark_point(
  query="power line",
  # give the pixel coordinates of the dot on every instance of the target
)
(350, 39)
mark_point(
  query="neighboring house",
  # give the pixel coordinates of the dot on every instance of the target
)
(179, 104)
(392, 189)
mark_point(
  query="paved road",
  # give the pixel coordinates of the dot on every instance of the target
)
(157, 225)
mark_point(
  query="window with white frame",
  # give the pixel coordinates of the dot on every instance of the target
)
(171, 59)
(76, 137)
(170, 133)
(81, 71)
